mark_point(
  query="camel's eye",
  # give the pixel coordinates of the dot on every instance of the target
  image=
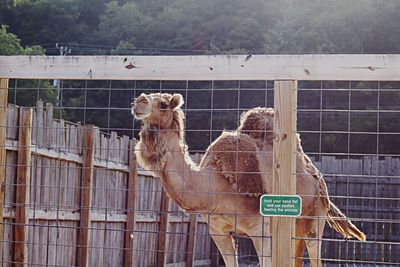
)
(163, 105)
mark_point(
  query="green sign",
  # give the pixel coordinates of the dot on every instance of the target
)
(280, 205)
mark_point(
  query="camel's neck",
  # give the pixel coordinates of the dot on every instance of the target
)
(179, 176)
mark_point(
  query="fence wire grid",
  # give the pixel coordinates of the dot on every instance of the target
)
(350, 130)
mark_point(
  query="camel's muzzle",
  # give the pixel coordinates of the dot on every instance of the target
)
(141, 107)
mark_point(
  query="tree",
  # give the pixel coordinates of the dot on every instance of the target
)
(10, 44)
(24, 92)
(123, 23)
(46, 21)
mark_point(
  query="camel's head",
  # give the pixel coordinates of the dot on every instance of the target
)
(156, 109)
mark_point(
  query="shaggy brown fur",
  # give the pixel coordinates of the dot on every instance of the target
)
(258, 123)
(234, 156)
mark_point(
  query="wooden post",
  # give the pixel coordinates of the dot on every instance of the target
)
(162, 230)
(284, 169)
(129, 258)
(22, 188)
(86, 197)
(3, 122)
(191, 240)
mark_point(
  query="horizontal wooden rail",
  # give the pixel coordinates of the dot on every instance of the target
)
(367, 67)
(12, 145)
(97, 217)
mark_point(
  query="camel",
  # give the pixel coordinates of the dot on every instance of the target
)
(235, 170)
(227, 198)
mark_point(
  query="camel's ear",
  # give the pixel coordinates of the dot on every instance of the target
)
(176, 101)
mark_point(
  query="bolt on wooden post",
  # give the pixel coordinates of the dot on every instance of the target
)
(284, 169)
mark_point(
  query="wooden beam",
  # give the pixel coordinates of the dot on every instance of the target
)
(162, 230)
(3, 122)
(129, 257)
(86, 196)
(38, 214)
(222, 67)
(22, 188)
(190, 245)
(284, 169)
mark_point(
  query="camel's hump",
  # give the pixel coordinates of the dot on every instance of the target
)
(257, 123)
(234, 155)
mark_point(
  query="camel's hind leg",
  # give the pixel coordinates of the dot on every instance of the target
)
(263, 249)
(314, 241)
(300, 246)
(226, 246)
(259, 233)
(300, 243)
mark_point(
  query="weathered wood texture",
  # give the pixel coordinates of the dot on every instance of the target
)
(222, 67)
(284, 169)
(129, 258)
(86, 196)
(124, 200)
(3, 129)
(191, 240)
(22, 188)
(163, 228)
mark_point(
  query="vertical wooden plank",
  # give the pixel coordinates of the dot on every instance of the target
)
(12, 122)
(162, 230)
(39, 123)
(48, 124)
(3, 121)
(129, 257)
(22, 188)
(61, 137)
(86, 196)
(97, 143)
(191, 240)
(284, 169)
(125, 149)
(113, 147)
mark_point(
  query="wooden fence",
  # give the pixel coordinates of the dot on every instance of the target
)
(73, 197)
(65, 211)
(68, 223)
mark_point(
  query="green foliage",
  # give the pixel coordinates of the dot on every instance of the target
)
(210, 27)
(122, 23)
(25, 92)
(44, 21)
(123, 48)
(10, 44)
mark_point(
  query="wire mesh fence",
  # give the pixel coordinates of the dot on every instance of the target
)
(350, 130)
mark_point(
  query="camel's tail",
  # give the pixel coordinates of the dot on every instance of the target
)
(338, 221)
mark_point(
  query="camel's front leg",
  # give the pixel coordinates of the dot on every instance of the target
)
(226, 246)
